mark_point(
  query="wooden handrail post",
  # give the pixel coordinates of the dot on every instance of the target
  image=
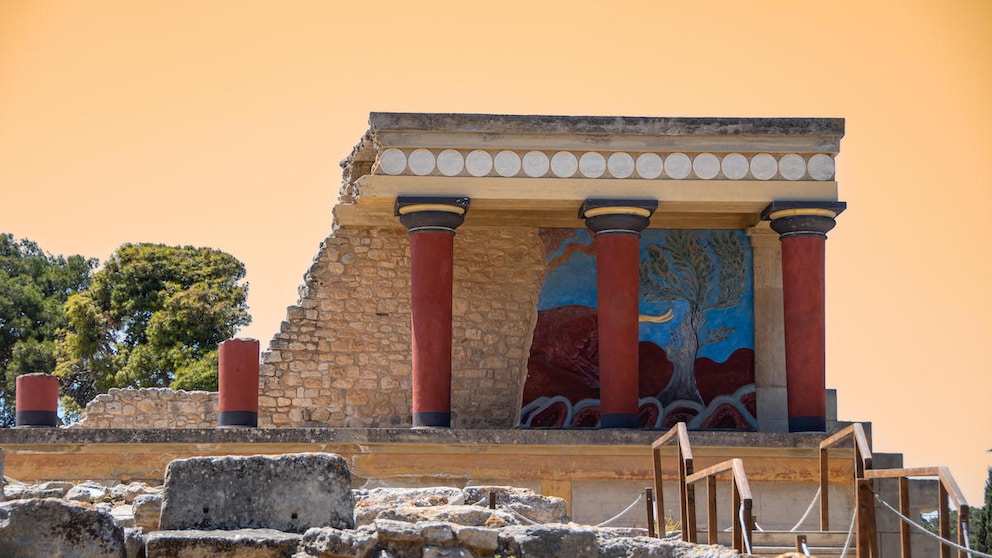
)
(824, 491)
(735, 528)
(711, 529)
(904, 532)
(867, 534)
(944, 519)
(658, 490)
(650, 511)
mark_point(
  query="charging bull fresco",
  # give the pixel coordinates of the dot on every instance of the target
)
(696, 334)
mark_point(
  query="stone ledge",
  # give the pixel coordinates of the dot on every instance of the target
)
(32, 436)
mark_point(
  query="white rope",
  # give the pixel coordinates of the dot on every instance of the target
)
(816, 498)
(850, 535)
(806, 549)
(927, 532)
(518, 514)
(747, 539)
(625, 510)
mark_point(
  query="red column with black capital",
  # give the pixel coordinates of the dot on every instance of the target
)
(617, 226)
(432, 223)
(802, 228)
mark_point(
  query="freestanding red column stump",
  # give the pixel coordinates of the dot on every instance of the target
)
(237, 363)
(802, 228)
(36, 400)
(432, 223)
(617, 226)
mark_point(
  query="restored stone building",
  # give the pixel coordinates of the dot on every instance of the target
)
(525, 344)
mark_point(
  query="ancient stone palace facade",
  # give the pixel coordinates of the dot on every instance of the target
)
(536, 271)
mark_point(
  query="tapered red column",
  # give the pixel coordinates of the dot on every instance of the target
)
(36, 400)
(432, 223)
(617, 226)
(802, 228)
(237, 363)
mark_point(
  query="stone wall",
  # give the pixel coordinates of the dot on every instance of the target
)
(342, 357)
(150, 408)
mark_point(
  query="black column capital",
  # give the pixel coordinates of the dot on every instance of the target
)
(617, 216)
(438, 214)
(799, 218)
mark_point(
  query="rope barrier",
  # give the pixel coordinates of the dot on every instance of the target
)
(625, 510)
(747, 539)
(850, 535)
(927, 532)
(518, 514)
(816, 498)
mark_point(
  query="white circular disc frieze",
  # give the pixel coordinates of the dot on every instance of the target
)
(564, 164)
(821, 167)
(734, 166)
(706, 166)
(421, 162)
(392, 161)
(649, 165)
(592, 165)
(478, 163)
(507, 163)
(792, 167)
(536, 164)
(763, 166)
(678, 165)
(450, 162)
(621, 165)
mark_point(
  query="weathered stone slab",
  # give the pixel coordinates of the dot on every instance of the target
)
(328, 542)
(473, 516)
(370, 503)
(291, 493)
(547, 540)
(147, 510)
(53, 528)
(241, 543)
(86, 492)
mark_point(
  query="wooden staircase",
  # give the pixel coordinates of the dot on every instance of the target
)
(825, 542)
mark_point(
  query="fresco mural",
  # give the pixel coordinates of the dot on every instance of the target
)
(696, 349)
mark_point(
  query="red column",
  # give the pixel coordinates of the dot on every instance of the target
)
(617, 225)
(432, 223)
(36, 400)
(802, 229)
(237, 363)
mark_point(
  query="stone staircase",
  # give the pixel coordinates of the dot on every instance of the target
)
(775, 543)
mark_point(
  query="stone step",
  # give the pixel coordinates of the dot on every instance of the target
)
(774, 543)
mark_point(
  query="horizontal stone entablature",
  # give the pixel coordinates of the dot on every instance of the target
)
(705, 172)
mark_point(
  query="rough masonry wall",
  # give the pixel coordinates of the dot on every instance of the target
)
(150, 408)
(342, 357)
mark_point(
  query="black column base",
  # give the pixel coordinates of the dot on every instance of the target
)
(435, 419)
(807, 424)
(618, 420)
(45, 419)
(237, 418)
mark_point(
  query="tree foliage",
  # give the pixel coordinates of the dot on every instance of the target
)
(152, 317)
(33, 287)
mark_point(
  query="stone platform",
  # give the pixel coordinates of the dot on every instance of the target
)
(599, 472)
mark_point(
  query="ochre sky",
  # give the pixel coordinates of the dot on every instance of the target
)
(221, 124)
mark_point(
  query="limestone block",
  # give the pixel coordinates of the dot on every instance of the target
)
(547, 540)
(240, 543)
(50, 527)
(147, 511)
(333, 543)
(483, 540)
(134, 542)
(473, 516)
(86, 492)
(292, 492)
(123, 515)
(446, 552)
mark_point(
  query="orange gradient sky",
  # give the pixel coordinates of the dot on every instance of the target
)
(221, 124)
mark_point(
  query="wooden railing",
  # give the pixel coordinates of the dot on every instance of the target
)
(742, 521)
(947, 488)
(862, 462)
(687, 516)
